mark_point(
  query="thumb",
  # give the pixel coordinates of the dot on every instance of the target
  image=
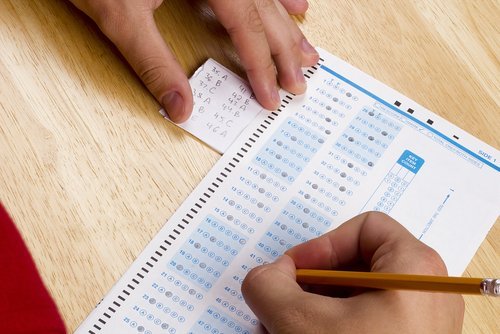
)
(138, 39)
(295, 7)
(270, 288)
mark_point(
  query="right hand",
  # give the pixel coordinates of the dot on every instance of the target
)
(376, 242)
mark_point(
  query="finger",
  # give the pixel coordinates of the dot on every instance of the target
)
(374, 238)
(308, 53)
(269, 287)
(137, 37)
(392, 248)
(335, 249)
(284, 48)
(295, 7)
(243, 23)
(280, 304)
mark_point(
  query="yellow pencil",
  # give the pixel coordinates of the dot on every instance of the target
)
(389, 281)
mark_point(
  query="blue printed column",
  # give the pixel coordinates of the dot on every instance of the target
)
(296, 223)
(208, 253)
(367, 137)
(395, 183)
(289, 150)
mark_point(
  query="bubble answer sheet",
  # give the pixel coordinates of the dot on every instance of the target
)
(349, 144)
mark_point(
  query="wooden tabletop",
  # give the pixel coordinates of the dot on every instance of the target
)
(90, 171)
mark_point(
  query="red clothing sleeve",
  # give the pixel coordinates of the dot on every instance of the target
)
(25, 305)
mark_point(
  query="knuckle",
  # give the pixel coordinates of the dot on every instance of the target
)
(112, 15)
(106, 14)
(432, 261)
(264, 4)
(295, 48)
(254, 21)
(261, 67)
(152, 73)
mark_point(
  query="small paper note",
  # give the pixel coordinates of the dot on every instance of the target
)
(224, 105)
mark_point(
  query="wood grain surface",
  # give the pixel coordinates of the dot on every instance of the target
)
(90, 171)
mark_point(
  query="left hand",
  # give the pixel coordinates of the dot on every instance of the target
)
(270, 45)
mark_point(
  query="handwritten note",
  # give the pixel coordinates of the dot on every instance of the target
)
(224, 106)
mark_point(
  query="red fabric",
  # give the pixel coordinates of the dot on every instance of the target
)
(25, 305)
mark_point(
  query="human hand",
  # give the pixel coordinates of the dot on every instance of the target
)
(267, 40)
(375, 241)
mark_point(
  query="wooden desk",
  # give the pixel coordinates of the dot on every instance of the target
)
(90, 171)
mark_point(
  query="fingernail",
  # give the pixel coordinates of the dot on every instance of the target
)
(174, 105)
(275, 97)
(308, 48)
(279, 259)
(301, 80)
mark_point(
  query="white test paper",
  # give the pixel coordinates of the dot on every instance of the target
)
(349, 144)
(219, 114)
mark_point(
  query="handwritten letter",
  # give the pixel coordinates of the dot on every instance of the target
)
(223, 106)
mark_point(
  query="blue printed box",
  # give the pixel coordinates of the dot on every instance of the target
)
(411, 161)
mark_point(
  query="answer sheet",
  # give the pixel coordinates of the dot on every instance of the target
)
(349, 144)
